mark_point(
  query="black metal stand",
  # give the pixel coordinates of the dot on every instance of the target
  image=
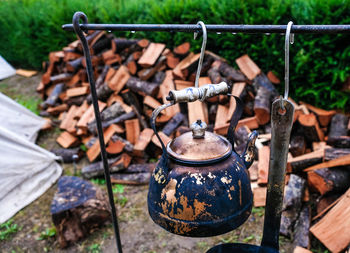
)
(79, 28)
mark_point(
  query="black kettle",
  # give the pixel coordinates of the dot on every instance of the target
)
(200, 186)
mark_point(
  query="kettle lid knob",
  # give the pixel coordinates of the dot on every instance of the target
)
(198, 129)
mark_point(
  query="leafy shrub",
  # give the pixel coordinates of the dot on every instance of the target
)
(30, 29)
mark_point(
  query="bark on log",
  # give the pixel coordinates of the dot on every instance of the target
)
(142, 87)
(140, 168)
(68, 155)
(292, 204)
(173, 124)
(339, 126)
(60, 78)
(301, 229)
(141, 178)
(54, 96)
(334, 153)
(78, 207)
(312, 130)
(128, 146)
(262, 80)
(297, 145)
(230, 73)
(120, 119)
(329, 180)
(339, 141)
(262, 105)
(96, 169)
(325, 201)
(122, 43)
(74, 65)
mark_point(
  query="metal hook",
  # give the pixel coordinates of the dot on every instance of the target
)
(204, 43)
(289, 39)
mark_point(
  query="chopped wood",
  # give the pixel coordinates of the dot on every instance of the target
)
(248, 67)
(73, 92)
(142, 87)
(54, 96)
(297, 164)
(339, 126)
(180, 69)
(230, 73)
(197, 110)
(96, 169)
(95, 150)
(150, 56)
(66, 140)
(301, 228)
(57, 109)
(173, 124)
(259, 194)
(327, 180)
(182, 50)
(262, 105)
(253, 172)
(312, 130)
(89, 115)
(115, 147)
(250, 122)
(152, 102)
(68, 122)
(297, 145)
(166, 86)
(141, 178)
(132, 128)
(26, 73)
(341, 161)
(339, 141)
(68, 155)
(324, 117)
(325, 202)
(163, 137)
(119, 79)
(333, 230)
(273, 78)
(334, 153)
(263, 165)
(221, 116)
(142, 142)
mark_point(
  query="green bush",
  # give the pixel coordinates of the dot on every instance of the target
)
(30, 29)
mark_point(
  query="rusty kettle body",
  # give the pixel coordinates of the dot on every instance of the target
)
(200, 186)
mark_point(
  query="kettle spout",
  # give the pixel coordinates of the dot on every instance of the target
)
(248, 154)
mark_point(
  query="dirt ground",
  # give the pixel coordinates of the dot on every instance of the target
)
(138, 232)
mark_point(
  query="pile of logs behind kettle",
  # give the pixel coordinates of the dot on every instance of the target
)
(133, 77)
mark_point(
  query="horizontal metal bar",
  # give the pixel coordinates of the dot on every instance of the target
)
(320, 29)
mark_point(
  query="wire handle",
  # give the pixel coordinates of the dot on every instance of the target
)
(289, 40)
(204, 43)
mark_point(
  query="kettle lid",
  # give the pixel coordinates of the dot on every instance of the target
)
(199, 146)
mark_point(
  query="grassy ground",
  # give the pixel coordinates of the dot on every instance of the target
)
(31, 230)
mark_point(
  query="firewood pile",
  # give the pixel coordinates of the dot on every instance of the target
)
(133, 77)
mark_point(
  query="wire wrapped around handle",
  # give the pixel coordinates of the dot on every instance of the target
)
(192, 94)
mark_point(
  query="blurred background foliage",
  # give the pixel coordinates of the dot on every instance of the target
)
(30, 29)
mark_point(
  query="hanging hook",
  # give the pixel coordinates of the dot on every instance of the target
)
(289, 40)
(204, 43)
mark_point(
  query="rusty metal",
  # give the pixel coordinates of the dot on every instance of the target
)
(76, 18)
(281, 126)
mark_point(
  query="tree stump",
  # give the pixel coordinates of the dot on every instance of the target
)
(78, 207)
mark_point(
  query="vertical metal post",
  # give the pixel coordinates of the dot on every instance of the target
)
(76, 18)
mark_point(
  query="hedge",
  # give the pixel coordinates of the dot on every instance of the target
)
(30, 29)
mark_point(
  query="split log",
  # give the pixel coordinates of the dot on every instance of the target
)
(132, 127)
(273, 78)
(262, 104)
(182, 50)
(339, 141)
(130, 98)
(173, 124)
(78, 91)
(122, 43)
(292, 204)
(339, 126)
(60, 78)
(120, 78)
(263, 165)
(341, 161)
(95, 150)
(298, 249)
(96, 169)
(142, 87)
(297, 145)
(301, 228)
(221, 116)
(325, 201)
(297, 164)
(103, 92)
(89, 115)
(197, 110)
(77, 209)
(150, 56)
(140, 168)
(333, 230)
(142, 142)
(141, 178)
(324, 117)
(312, 130)
(180, 70)
(334, 153)
(120, 119)
(74, 65)
(248, 67)
(147, 73)
(259, 194)
(231, 73)
(68, 155)
(115, 110)
(67, 140)
(115, 147)
(329, 180)
(68, 123)
(253, 172)
(54, 96)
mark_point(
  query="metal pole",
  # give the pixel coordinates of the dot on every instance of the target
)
(77, 16)
(316, 29)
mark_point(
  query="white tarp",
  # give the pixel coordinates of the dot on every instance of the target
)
(6, 70)
(26, 170)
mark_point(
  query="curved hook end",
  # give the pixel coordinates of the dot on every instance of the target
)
(76, 25)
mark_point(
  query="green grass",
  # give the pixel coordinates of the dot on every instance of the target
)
(8, 229)
(48, 233)
(30, 29)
